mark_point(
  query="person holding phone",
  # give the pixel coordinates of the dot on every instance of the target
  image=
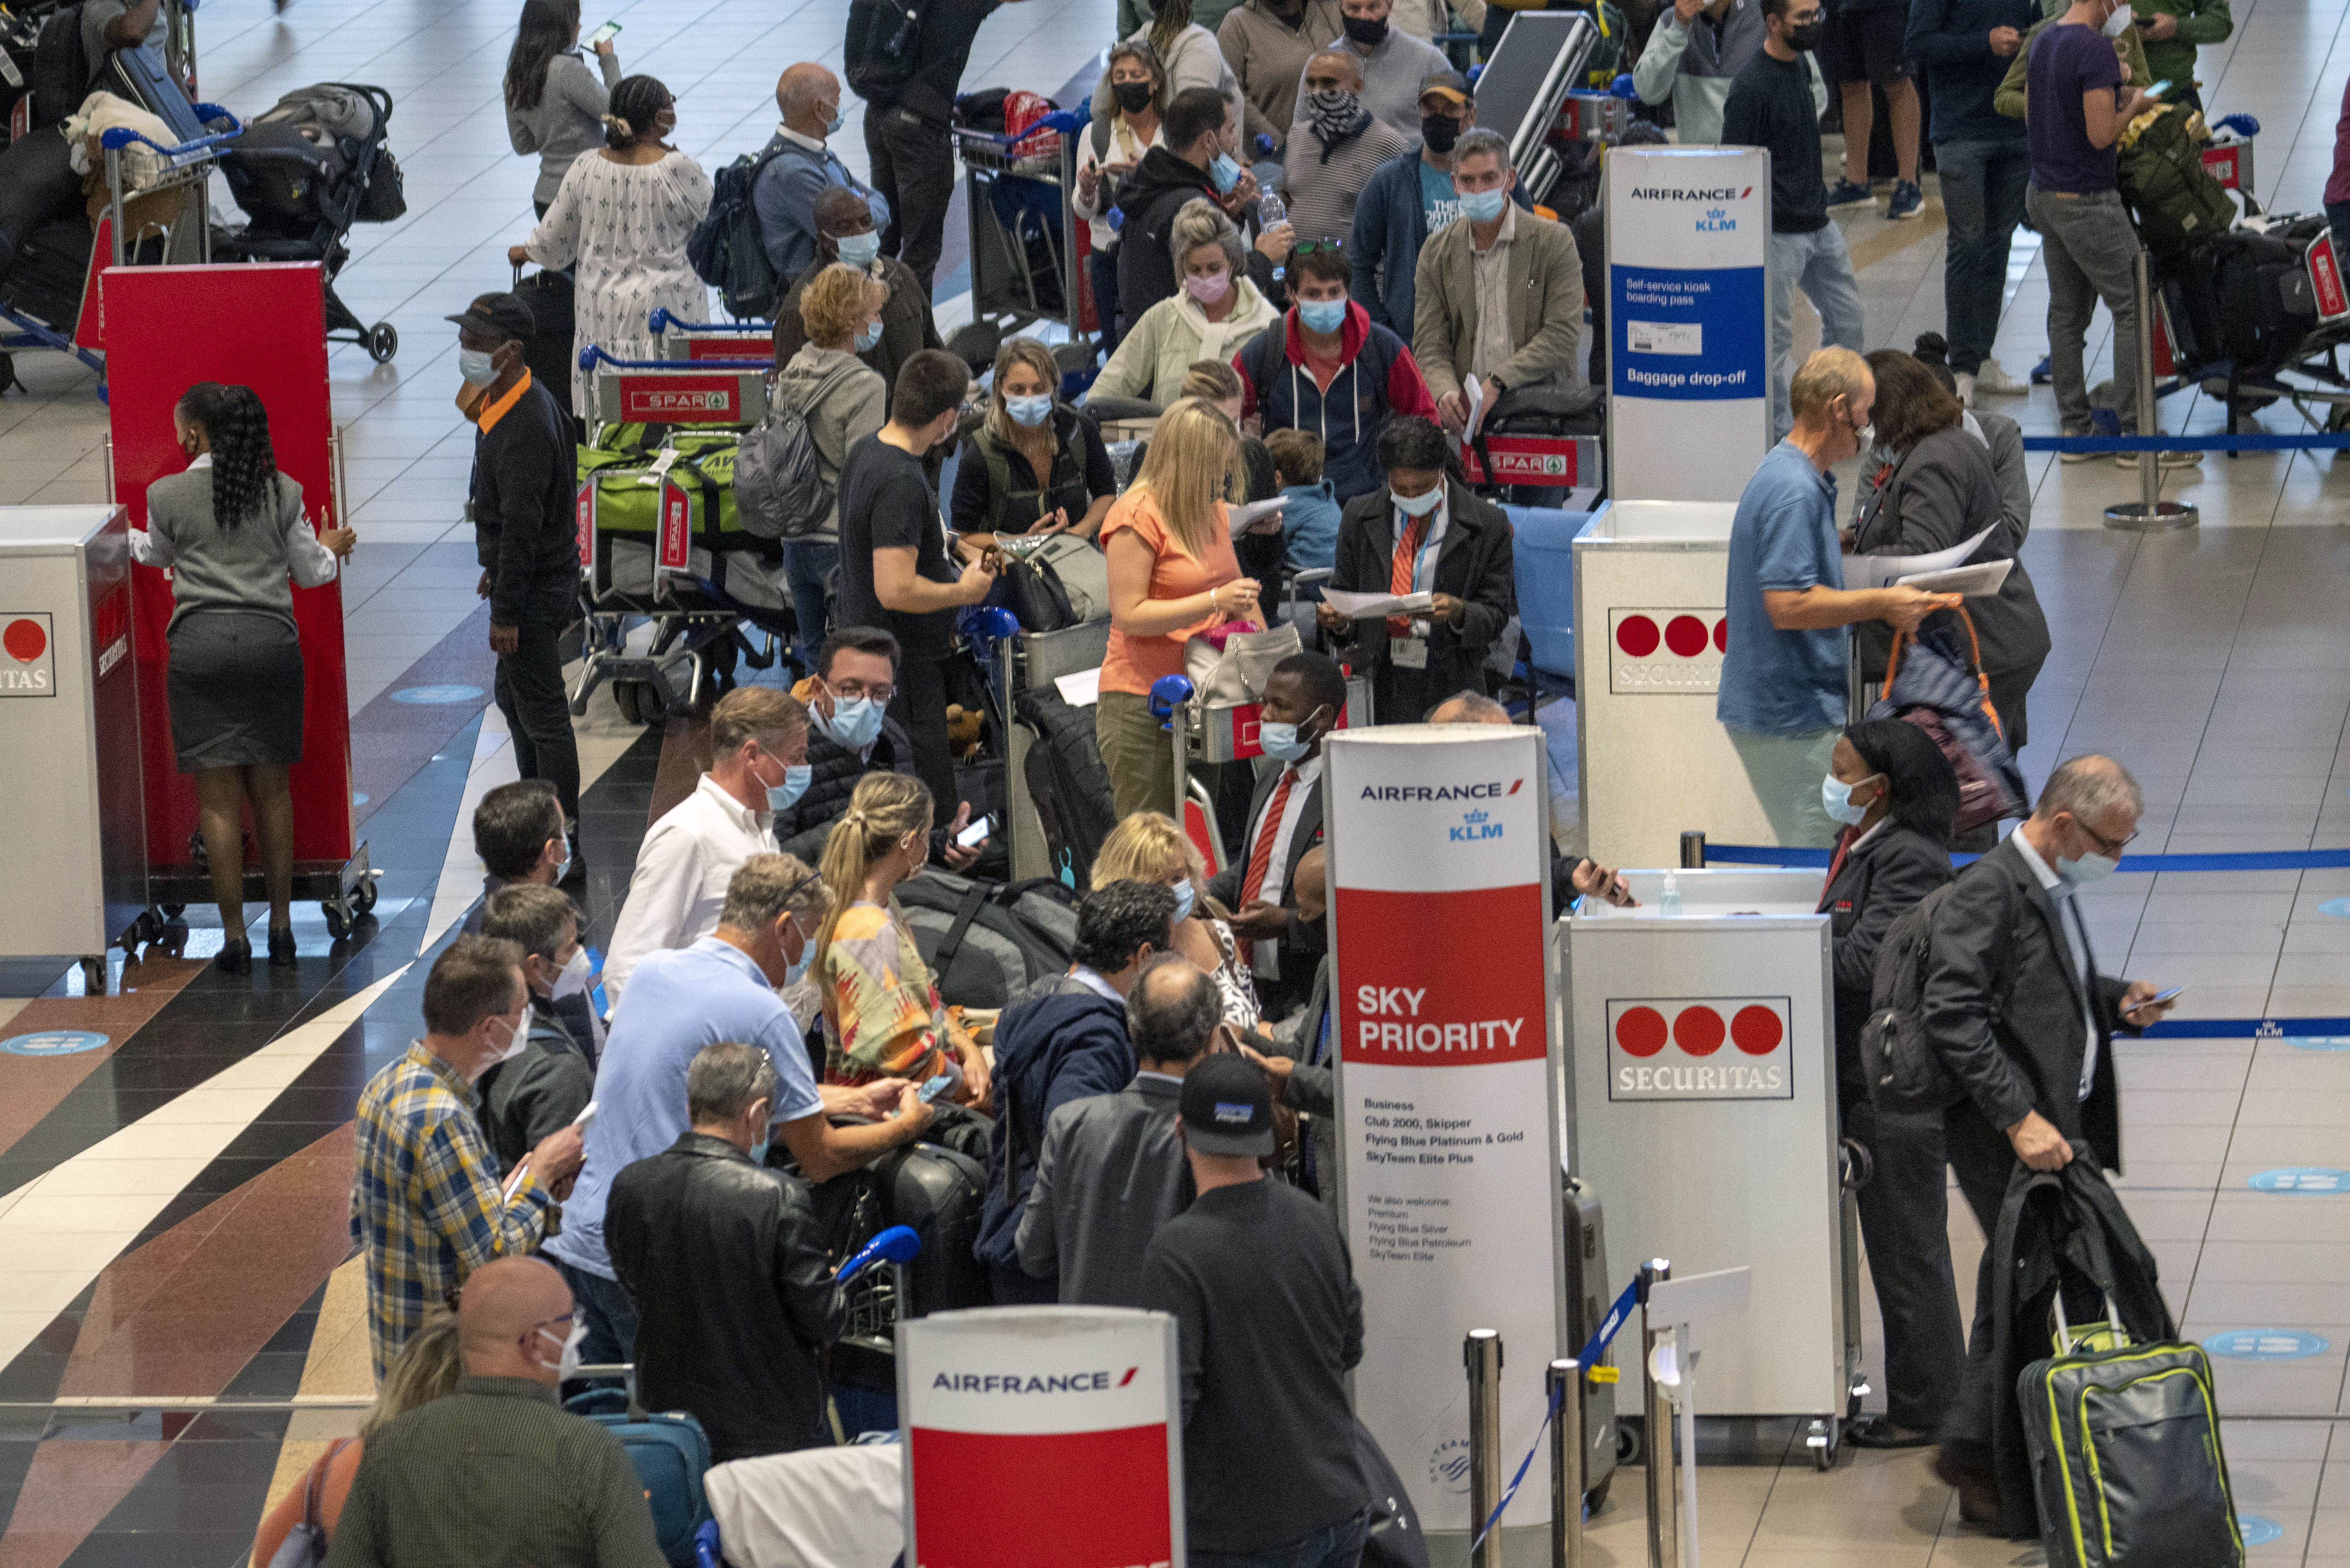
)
(1034, 464)
(555, 105)
(2173, 31)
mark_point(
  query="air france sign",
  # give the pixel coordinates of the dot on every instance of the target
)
(1700, 1048)
(1666, 652)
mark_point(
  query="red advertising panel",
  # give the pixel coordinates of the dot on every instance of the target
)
(585, 521)
(263, 326)
(743, 348)
(663, 397)
(2325, 277)
(676, 527)
(1417, 997)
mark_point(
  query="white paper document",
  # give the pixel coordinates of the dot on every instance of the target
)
(1082, 690)
(1253, 510)
(1877, 571)
(1473, 391)
(1973, 581)
(1366, 606)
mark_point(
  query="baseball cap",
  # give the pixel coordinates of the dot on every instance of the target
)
(1227, 1107)
(502, 316)
(1450, 86)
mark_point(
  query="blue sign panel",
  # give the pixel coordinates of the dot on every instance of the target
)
(2302, 1178)
(1688, 334)
(2267, 1343)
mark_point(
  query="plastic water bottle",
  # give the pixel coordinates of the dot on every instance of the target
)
(1270, 210)
(1669, 905)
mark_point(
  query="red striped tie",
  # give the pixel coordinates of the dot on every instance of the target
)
(1261, 857)
(1399, 576)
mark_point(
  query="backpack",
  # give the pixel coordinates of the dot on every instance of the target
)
(986, 943)
(727, 250)
(61, 72)
(2179, 205)
(883, 45)
(1067, 782)
(780, 491)
(1904, 1074)
(2266, 302)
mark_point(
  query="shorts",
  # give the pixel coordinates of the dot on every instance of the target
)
(1867, 46)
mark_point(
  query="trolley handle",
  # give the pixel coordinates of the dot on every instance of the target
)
(591, 356)
(115, 138)
(1065, 121)
(661, 321)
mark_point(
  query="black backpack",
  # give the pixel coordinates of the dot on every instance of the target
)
(883, 46)
(780, 490)
(987, 942)
(1905, 1075)
(61, 72)
(726, 249)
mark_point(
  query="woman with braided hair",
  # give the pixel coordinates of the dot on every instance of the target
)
(232, 530)
(623, 215)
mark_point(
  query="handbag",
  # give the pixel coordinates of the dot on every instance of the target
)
(1943, 690)
(305, 1545)
(1034, 593)
(1231, 667)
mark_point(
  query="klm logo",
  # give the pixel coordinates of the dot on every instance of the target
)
(1475, 827)
(1715, 223)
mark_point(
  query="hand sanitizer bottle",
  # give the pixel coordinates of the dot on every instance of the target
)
(1669, 905)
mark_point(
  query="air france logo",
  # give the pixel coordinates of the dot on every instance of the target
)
(1475, 826)
(1033, 1383)
(1419, 795)
(1683, 194)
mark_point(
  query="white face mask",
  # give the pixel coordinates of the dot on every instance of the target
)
(567, 1366)
(516, 1038)
(574, 978)
(2118, 23)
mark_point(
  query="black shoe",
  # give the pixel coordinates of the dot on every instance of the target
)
(281, 948)
(1879, 1432)
(235, 956)
(1978, 1488)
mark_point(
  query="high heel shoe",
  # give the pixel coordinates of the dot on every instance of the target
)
(281, 948)
(235, 956)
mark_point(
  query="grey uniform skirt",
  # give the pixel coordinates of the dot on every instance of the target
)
(235, 683)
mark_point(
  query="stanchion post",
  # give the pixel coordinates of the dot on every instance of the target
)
(1481, 1353)
(1692, 851)
(1566, 1460)
(1664, 1516)
(2150, 511)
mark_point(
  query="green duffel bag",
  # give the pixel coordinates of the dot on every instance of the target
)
(629, 488)
(2179, 205)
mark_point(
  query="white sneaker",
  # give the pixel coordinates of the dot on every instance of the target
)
(1966, 383)
(1992, 377)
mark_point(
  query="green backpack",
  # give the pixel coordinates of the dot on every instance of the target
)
(2179, 205)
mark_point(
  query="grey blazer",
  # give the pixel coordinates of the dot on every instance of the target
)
(243, 569)
(1112, 1172)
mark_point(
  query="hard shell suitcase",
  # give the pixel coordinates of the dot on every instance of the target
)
(548, 349)
(671, 1454)
(1590, 1291)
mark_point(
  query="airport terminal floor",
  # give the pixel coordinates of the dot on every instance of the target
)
(174, 1202)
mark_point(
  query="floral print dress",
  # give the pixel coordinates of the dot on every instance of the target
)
(625, 225)
(891, 1023)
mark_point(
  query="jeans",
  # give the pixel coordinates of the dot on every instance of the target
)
(806, 563)
(1983, 186)
(2337, 217)
(1101, 267)
(2089, 246)
(1819, 263)
(606, 1309)
(920, 705)
(529, 692)
(1905, 1223)
(1339, 1545)
(1785, 771)
(914, 169)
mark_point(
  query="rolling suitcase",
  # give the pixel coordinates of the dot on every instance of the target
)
(548, 351)
(1589, 1293)
(671, 1454)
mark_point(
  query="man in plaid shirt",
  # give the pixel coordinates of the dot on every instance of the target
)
(425, 1203)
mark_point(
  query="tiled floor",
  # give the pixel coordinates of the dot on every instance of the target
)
(172, 1207)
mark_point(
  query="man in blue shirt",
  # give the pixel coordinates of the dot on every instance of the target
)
(799, 166)
(1782, 695)
(723, 988)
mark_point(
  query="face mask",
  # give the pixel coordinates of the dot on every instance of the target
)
(1835, 799)
(831, 126)
(759, 1152)
(1132, 97)
(1336, 112)
(1420, 506)
(1368, 31)
(858, 250)
(1324, 315)
(1223, 173)
(1283, 743)
(515, 1040)
(1186, 895)
(780, 797)
(2088, 868)
(567, 1366)
(574, 978)
(1866, 436)
(1439, 131)
(1484, 206)
(1029, 411)
(855, 721)
(1805, 38)
(799, 966)
(1207, 287)
(478, 368)
(564, 869)
(2118, 23)
(868, 337)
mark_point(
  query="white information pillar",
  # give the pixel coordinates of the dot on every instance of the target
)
(1447, 1104)
(1689, 357)
(1042, 1435)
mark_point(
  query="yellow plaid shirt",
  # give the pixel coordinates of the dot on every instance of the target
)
(425, 1206)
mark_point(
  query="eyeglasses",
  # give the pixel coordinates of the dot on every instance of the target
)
(856, 689)
(2108, 847)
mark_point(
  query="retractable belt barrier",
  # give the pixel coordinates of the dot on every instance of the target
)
(2319, 441)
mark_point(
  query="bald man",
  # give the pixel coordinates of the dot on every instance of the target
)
(796, 167)
(1584, 879)
(562, 1492)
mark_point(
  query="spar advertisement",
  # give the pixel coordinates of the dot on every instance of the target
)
(1439, 859)
(1688, 234)
(1042, 1435)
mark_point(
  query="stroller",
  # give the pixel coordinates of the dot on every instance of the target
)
(305, 173)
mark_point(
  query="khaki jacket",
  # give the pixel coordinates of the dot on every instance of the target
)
(1545, 278)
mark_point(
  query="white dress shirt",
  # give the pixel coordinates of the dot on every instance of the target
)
(680, 883)
(2060, 892)
(1267, 963)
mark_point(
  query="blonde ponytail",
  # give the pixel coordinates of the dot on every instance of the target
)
(885, 807)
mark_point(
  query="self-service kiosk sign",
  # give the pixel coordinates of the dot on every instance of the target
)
(1700, 1048)
(1666, 652)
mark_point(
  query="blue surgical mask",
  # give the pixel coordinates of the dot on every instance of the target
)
(1223, 173)
(1420, 506)
(1186, 895)
(759, 1149)
(1282, 743)
(858, 250)
(1321, 314)
(1030, 411)
(564, 869)
(780, 797)
(868, 337)
(1835, 799)
(2088, 868)
(1484, 206)
(478, 368)
(839, 117)
(855, 723)
(798, 967)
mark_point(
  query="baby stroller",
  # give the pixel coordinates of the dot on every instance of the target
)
(305, 173)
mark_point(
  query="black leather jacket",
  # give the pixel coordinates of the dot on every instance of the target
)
(734, 1292)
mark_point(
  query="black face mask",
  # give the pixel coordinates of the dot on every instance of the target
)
(1132, 97)
(1439, 131)
(1368, 31)
(1805, 38)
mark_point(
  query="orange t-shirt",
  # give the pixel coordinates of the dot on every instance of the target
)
(1134, 662)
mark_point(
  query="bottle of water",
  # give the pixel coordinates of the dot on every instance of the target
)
(1669, 905)
(1270, 210)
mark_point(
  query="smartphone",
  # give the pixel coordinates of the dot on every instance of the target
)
(2159, 88)
(607, 31)
(974, 836)
(2162, 996)
(937, 1087)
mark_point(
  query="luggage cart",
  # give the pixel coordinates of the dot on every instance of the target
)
(729, 340)
(1024, 661)
(1026, 263)
(1214, 732)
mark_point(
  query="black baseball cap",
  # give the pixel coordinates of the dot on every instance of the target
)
(1227, 1107)
(501, 316)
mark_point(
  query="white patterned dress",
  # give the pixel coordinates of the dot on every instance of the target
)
(626, 226)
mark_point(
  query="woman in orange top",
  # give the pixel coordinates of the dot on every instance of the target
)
(427, 1368)
(1173, 574)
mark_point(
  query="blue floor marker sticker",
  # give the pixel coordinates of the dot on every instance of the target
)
(2318, 1042)
(2302, 1178)
(2258, 1530)
(2268, 1343)
(358, 799)
(2338, 907)
(429, 695)
(53, 1043)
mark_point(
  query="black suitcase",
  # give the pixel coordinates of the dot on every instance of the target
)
(1590, 1292)
(51, 272)
(37, 187)
(1067, 782)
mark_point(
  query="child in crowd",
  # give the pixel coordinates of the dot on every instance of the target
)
(1309, 523)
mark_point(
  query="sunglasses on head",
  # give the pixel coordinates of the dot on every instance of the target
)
(1307, 247)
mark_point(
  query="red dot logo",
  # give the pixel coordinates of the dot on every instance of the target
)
(1698, 1031)
(1685, 635)
(1640, 1031)
(1636, 635)
(1722, 635)
(25, 640)
(1756, 1030)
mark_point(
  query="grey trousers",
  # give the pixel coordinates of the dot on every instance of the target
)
(2089, 246)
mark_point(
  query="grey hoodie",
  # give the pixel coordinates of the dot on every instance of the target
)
(1693, 65)
(842, 397)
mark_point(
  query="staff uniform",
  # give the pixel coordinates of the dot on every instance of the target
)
(568, 119)
(680, 883)
(1463, 548)
(1284, 821)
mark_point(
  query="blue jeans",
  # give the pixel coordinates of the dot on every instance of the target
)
(1821, 266)
(806, 563)
(1983, 184)
(1339, 1545)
